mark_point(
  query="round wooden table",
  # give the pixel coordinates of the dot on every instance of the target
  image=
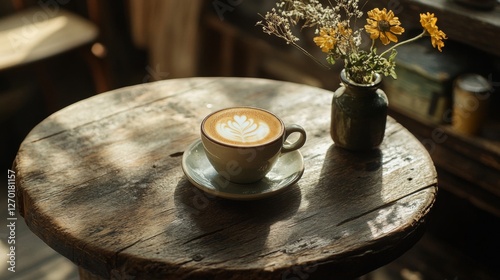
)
(101, 182)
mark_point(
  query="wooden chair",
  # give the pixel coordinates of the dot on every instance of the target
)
(35, 33)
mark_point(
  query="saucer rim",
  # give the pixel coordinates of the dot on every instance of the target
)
(238, 196)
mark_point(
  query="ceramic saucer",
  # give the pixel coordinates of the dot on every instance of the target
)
(287, 170)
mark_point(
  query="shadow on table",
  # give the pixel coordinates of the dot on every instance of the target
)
(348, 195)
(227, 230)
(351, 182)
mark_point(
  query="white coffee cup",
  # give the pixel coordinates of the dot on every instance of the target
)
(243, 143)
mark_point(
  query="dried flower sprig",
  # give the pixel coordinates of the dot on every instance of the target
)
(336, 37)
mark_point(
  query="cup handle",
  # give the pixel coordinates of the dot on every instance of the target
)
(289, 129)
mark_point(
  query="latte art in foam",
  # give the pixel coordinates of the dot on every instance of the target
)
(243, 126)
(242, 129)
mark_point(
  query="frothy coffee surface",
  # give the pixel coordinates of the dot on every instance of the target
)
(243, 126)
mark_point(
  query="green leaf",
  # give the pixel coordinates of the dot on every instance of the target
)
(393, 55)
(394, 75)
(330, 59)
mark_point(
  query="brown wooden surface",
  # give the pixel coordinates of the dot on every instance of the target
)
(100, 182)
(468, 166)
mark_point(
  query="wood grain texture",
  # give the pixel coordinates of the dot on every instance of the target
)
(101, 182)
(468, 167)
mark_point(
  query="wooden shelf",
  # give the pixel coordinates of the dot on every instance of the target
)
(475, 28)
(468, 167)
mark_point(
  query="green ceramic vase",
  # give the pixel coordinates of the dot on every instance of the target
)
(359, 114)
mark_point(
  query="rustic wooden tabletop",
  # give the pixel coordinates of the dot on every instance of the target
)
(101, 182)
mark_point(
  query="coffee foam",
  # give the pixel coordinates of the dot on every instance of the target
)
(243, 126)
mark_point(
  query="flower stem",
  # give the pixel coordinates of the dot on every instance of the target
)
(373, 45)
(309, 55)
(404, 42)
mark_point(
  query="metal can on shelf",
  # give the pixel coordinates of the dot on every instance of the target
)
(471, 93)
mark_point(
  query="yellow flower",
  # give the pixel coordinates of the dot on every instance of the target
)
(326, 39)
(428, 22)
(344, 31)
(383, 25)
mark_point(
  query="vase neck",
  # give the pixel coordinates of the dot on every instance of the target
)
(357, 87)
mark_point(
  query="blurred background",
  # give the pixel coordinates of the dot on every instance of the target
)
(57, 52)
